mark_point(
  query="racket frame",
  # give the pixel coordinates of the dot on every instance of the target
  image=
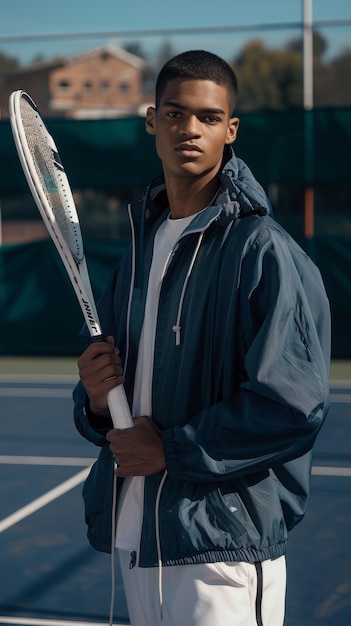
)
(75, 265)
(76, 270)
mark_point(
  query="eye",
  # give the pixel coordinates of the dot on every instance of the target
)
(174, 114)
(211, 119)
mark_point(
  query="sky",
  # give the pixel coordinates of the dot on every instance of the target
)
(40, 17)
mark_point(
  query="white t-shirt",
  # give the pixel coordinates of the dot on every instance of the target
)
(130, 504)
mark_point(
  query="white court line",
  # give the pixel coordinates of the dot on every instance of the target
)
(339, 382)
(56, 392)
(69, 484)
(42, 501)
(46, 460)
(29, 621)
(318, 470)
(35, 392)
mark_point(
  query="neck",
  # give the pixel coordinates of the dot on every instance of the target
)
(189, 199)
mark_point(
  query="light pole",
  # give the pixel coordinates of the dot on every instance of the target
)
(308, 123)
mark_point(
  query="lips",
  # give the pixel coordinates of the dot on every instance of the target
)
(188, 150)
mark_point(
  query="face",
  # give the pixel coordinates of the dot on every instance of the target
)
(192, 125)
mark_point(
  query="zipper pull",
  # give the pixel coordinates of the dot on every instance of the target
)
(132, 559)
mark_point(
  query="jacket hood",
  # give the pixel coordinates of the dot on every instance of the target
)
(239, 193)
(242, 187)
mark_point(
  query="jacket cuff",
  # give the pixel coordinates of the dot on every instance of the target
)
(100, 424)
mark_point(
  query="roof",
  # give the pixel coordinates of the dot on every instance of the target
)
(112, 50)
(109, 49)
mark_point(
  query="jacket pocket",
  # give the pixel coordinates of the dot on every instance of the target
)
(97, 495)
(225, 519)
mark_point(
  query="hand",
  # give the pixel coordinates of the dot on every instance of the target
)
(138, 450)
(100, 370)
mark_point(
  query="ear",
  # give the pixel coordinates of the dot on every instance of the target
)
(232, 130)
(150, 124)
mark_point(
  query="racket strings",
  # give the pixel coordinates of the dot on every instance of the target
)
(53, 179)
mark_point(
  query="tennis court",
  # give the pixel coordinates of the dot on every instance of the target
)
(52, 577)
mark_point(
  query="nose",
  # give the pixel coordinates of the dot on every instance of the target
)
(191, 126)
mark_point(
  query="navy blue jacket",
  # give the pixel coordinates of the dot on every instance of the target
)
(240, 379)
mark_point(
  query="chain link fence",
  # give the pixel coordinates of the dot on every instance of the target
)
(268, 60)
(78, 81)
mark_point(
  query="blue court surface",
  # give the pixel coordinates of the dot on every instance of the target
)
(50, 576)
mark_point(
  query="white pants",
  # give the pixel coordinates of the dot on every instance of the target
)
(213, 594)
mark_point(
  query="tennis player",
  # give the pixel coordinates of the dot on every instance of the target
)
(218, 325)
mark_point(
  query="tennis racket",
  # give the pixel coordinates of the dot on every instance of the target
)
(51, 191)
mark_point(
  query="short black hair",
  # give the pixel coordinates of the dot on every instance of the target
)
(198, 65)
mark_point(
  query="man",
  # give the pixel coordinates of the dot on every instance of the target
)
(221, 324)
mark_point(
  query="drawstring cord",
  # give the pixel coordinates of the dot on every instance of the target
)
(113, 541)
(177, 328)
(158, 542)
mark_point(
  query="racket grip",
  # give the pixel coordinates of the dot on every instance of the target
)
(119, 408)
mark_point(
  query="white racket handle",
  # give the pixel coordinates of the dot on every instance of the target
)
(119, 408)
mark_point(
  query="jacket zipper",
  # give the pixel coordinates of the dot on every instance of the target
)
(134, 556)
(132, 278)
(158, 542)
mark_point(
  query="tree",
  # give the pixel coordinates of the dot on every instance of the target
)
(268, 79)
(320, 45)
(135, 47)
(332, 86)
(7, 64)
(165, 53)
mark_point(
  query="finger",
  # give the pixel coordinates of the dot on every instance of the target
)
(110, 340)
(107, 362)
(94, 351)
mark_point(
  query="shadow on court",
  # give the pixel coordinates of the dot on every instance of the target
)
(49, 571)
(48, 568)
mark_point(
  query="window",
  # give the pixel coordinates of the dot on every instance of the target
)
(64, 84)
(123, 87)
